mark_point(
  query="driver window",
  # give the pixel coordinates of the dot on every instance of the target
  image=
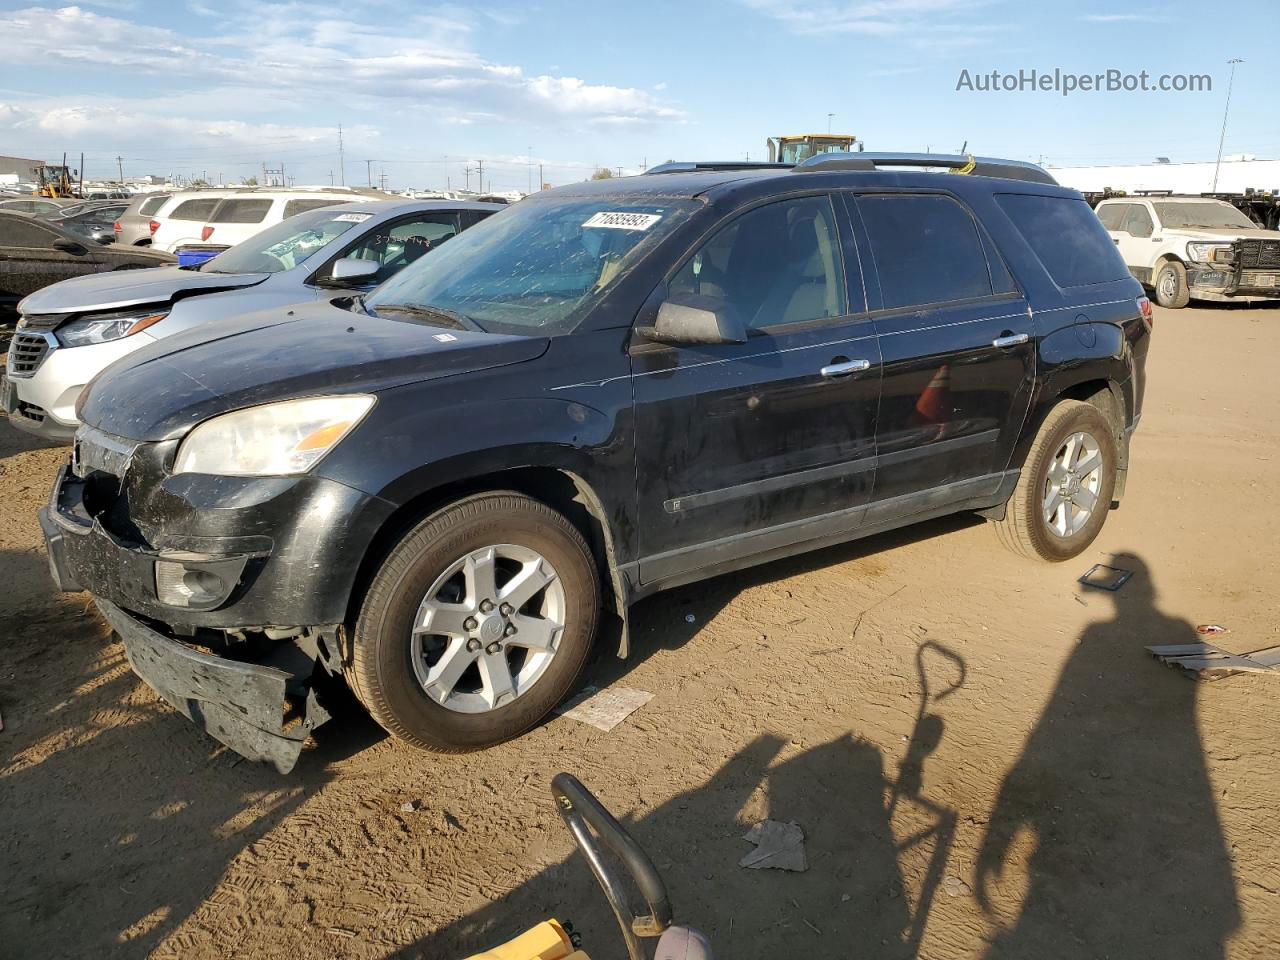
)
(405, 242)
(1138, 222)
(776, 264)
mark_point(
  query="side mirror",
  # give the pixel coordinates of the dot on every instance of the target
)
(351, 272)
(696, 319)
(68, 246)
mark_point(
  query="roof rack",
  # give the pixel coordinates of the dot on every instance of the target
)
(689, 166)
(955, 163)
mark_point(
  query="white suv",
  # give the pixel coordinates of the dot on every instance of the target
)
(237, 218)
(180, 218)
(1189, 247)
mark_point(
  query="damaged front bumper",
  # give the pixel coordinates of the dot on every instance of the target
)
(263, 712)
(1233, 284)
(228, 593)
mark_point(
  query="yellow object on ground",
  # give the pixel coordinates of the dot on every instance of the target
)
(547, 941)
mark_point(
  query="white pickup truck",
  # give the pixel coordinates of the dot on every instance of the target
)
(1188, 247)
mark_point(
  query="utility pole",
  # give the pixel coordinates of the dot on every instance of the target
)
(342, 161)
(619, 171)
(368, 170)
(1225, 110)
(541, 181)
(331, 178)
(81, 191)
(480, 164)
(528, 163)
(829, 116)
(119, 166)
(466, 169)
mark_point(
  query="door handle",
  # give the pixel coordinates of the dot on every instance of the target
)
(1011, 340)
(840, 368)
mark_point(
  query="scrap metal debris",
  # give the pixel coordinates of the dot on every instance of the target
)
(1211, 629)
(1208, 662)
(605, 709)
(779, 846)
(1102, 577)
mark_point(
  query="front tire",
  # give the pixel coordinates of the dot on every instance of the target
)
(1171, 285)
(477, 625)
(1064, 491)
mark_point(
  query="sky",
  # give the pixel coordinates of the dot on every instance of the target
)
(425, 92)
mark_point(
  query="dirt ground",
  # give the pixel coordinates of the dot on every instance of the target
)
(1052, 791)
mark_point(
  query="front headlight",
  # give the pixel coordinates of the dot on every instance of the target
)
(275, 439)
(107, 326)
(1204, 252)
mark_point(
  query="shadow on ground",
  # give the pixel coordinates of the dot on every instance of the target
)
(1110, 798)
(1112, 788)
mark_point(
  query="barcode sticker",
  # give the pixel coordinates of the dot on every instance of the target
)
(352, 217)
(617, 220)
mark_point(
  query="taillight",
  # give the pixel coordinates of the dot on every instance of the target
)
(154, 225)
(116, 227)
(206, 233)
(1144, 307)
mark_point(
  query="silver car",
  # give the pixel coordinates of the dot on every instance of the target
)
(68, 332)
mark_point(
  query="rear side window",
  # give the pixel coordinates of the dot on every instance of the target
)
(926, 248)
(302, 206)
(1067, 237)
(241, 210)
(16, 232)
(151, 205)
(194, 209)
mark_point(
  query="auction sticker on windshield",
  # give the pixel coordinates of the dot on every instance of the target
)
(352, 217)
(617, 220)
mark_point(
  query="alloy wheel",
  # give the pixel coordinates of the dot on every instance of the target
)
(488, 628)
(1071, 487)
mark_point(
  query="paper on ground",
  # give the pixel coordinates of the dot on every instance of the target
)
(778, 845)
(605, 709)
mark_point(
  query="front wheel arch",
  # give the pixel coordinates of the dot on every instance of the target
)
(561, 489)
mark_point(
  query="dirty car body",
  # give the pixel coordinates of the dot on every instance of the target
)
(678, 459)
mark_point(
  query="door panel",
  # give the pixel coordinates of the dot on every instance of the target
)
(736, 439)
(952, 402)
(957, 347)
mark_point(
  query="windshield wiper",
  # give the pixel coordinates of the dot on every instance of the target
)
(452, 318)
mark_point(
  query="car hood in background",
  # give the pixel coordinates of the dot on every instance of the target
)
(127, 288)
(164, 389)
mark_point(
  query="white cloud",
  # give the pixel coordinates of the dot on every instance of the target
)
(1123, 18)
(920, 23)
(312, 52)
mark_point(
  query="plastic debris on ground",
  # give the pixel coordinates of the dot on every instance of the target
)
(779, 846)
(1102, 577)
(1211, 629)
(1207, 662)
(605, 709)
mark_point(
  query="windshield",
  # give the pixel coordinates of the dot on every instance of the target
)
(1209, 214)
(285, 245)
(539, 265)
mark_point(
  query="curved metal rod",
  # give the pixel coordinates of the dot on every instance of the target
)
(582, 814)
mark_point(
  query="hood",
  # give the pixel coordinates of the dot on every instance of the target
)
(164, 389)
(127, 288)
(1231, 233)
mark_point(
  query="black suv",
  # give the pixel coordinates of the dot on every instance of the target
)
(439, 490)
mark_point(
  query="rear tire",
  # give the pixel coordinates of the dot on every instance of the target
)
(472, 684)
(1045, 518)
(1171, 285)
